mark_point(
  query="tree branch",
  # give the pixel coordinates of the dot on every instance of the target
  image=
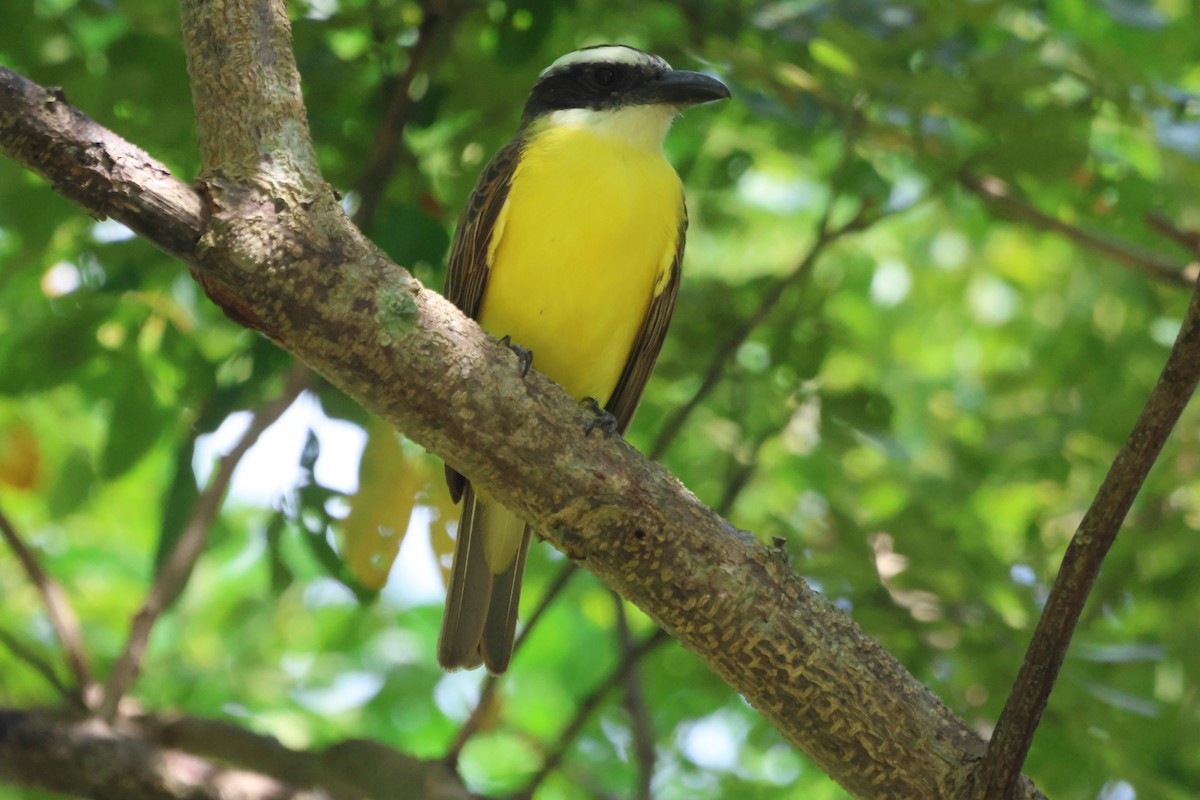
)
(62, 617)
(178, 565)
(179, 757)
(1187, 239)
(488, 692)
(279, 255)
(1081, 562)
(86, 758)
(95, 168)
(39, 665)
(354, 769)
(389, 135)
(824, 237)
(628, 661)
(997, 194)
(635, 703)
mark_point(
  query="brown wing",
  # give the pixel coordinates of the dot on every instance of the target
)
(467, 273)
(625, 398)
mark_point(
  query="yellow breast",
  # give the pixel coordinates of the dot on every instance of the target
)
(583, 244)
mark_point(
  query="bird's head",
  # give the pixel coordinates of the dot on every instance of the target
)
(618, 90)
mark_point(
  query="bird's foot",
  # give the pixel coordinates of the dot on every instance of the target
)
(524, 355)
(601, 419)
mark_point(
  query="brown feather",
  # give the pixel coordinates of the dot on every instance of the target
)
(480, 607)
(628, 393)
(468, 592)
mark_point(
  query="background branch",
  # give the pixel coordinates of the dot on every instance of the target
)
(42, 750)
(824, 236)
(389, 136)
(97, 169)
(353, 769)
(63, 620)
(488, 692)
(1189, 240)
(178, 565)
(640, 719)
(1081, 563)
(40, 666)
(589, 704)
(997, 194)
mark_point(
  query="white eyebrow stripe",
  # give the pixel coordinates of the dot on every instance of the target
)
(610, 54)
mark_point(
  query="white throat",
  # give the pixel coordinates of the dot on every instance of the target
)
(639, 127)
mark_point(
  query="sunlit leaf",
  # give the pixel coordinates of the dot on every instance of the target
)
(388, 483)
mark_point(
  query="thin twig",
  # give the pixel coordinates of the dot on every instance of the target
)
(825, 236)
(62, 616)
(738, 479)
(1187, 239)
(732, 343)
(552, 592)
(480, 712)
(389, 135)
(179, 562)
(1097, 531)
(997, 194)
(589, 705)
(635, 703)
(39, 665)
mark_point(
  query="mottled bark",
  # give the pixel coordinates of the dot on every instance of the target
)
(177, 757)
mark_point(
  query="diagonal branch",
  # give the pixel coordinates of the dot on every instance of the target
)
(635, 703)
(1081, 562)
(385, 150)
(588, 706)
(824, 237)
(1187, 239)
(733, 342)
(484, 705)
(177, 567)
(58, 607)
(280, 255)
(39, 665)
(85, 758)
(997, 194)
(103, 173)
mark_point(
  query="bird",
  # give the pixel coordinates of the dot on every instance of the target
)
(569, 249)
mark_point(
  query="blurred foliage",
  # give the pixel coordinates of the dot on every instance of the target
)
(922, 417)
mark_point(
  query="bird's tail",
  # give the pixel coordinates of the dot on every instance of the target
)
(480, 620)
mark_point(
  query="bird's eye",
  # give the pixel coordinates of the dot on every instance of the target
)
(604, 77)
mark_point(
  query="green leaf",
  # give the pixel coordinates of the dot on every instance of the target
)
(859, 408)
(525, 25)
(281, 574)
(179, 501)
(411, 236)
(54, 348)
(137, 422)
(74, 480)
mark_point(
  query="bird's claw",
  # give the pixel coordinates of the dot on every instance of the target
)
(524, 355)
(601, 419)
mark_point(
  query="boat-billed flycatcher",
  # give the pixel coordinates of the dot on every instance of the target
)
(570, 246)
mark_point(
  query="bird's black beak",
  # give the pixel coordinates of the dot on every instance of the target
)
(681, 88)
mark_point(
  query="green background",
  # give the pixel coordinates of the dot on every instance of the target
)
(922, 418)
